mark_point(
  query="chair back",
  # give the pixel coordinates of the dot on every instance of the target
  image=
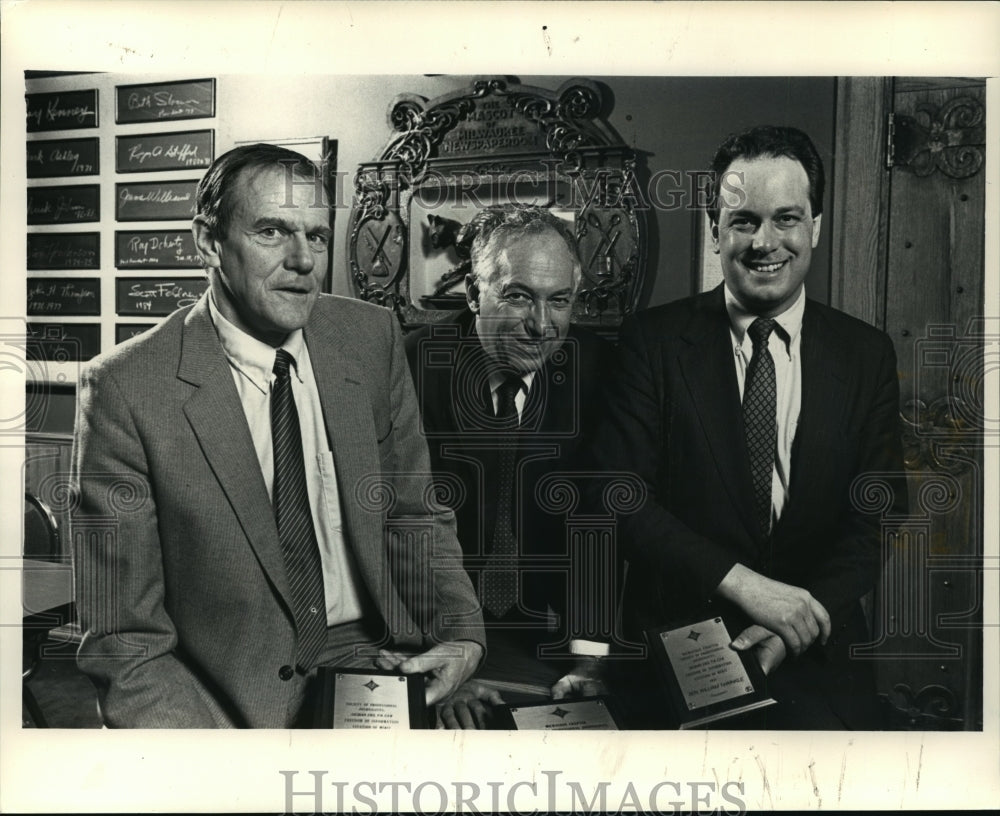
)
(41, 531)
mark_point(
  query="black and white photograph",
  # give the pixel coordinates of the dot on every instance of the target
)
(608, 388)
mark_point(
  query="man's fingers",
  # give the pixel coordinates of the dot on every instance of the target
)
(388, 660)
(418, 664)
(823, 618)
(492, 697)
(479, 713)
(751, 636)
(466, 719)
(562, 687)
(812, 626)
(791, 637)
(436, 689)
(446, 717)
(770, 653)
(442, 656)
(469, 715)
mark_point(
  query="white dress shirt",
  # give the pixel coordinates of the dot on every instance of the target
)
(788, 381)
(252, 364)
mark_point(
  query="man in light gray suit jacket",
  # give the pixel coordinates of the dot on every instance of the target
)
(202, 605)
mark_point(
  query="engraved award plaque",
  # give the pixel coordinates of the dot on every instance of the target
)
(584, 714)
(372, 700)
(706, 680)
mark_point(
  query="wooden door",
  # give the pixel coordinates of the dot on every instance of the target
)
(915, 200)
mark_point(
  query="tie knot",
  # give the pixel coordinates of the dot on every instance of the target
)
(510, 386)
(283, 361)
(506, 392)
(760, 330)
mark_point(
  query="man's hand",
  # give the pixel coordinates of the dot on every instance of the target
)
(467, 707)
(788, 611)
(768, 648)
(585, 679)
(447, 665)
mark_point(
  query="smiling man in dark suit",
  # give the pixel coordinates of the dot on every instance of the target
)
(509, 392)
(230, 537)
(749, 411)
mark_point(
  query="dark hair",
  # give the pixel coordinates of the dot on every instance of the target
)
(215, 190)
(494, 225)
(768, 141)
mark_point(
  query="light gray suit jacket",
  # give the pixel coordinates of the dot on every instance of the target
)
(181, 587)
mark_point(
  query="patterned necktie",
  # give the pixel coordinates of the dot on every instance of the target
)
(294, 518)
(759, 408)
(499, 580)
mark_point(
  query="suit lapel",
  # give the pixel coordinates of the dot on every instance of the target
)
(216, 417)
(710, 375)
(551, 402)
(824, 384)
(347, 414)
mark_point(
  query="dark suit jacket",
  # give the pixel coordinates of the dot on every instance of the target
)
(450, 371)
(675, 419)
(182, 591)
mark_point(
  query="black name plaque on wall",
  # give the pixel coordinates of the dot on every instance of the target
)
(155, 102)
(126, 331)
(158, 249)
(63, 342)
(71, 204)
(64, 110)
(148, 152)
(51, 158)
(64, 250)
(155, 201)
(64, 296)
(156, 297)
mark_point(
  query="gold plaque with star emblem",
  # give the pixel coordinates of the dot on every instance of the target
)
(582, 714)
(370, 700)
(706, 679)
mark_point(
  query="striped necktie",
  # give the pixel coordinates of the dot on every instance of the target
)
(294, 517)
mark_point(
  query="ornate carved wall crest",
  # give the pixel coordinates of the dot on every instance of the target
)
(494, 141)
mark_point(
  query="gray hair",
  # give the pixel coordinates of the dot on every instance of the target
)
(493, 227)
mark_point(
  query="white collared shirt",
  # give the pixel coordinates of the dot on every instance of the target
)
(252, 364)
(788, 381)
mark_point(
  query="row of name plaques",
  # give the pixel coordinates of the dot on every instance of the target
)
(140, 153)
(51, 298)
(141, 201)
(143, 102)
(134, 249)
(73, 342)
(134, 297)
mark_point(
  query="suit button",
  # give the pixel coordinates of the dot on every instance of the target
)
(286, 672)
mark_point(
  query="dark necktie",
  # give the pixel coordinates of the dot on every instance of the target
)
(499, 580)
(759, 408)
(294, 518)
